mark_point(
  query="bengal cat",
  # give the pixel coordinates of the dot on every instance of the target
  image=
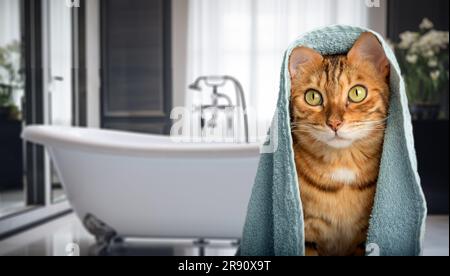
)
(339, 109)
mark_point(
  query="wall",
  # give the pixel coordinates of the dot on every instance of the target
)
(378, 18)
(407, 15)
(179, 51)
(93, 62)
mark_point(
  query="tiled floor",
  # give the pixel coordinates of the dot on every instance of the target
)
(54, 238)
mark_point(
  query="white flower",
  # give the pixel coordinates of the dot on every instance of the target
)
(426, 24)
(432, 41)
(429, 53)
(412, 58)
(435, 75)
(432, 63)
(407, 39)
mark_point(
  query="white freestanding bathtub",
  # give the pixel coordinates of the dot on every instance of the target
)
(132, 185)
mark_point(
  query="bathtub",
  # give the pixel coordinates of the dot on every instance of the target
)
(146, 186)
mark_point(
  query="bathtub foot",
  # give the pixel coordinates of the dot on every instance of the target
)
(118, 240)
(202, 244)
(236, 243)
(104, 234)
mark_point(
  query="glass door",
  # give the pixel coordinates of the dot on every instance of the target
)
(38, 85)
(12, 188)
(59, 75)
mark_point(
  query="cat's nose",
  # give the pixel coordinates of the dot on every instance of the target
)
(334, 124)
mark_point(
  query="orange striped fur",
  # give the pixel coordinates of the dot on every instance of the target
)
(338, 169)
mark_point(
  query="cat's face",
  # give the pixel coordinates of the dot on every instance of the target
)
(340, 99)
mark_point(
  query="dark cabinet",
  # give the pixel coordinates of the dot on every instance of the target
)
(136, 66)
(431, 141)
(406, 15)
(10, 154)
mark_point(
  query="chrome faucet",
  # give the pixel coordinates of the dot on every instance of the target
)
(219, 81)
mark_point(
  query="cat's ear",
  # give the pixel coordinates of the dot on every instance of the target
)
(303, 56)
(368, 49)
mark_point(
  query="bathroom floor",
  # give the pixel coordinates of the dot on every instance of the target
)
(11, 201)
(14, 200)
(53, 239)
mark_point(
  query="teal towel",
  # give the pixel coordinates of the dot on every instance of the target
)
(274, 223)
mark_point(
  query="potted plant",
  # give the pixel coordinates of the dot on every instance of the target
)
(423, 58)
(11, 80)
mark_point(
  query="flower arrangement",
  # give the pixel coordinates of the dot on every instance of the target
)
(423, 57)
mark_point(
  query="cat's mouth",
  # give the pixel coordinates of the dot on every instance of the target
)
(339, 138)
(338, 141)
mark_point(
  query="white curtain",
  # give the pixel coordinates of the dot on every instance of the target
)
(247, 38)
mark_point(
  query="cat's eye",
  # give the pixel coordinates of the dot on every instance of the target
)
(357, 94)
(313, 98)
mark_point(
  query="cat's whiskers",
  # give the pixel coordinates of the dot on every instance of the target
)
(365, 129)
(368, 122)
(306, 126)
(303, 131)
(368, 126)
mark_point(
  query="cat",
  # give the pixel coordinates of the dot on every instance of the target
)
(339, 109)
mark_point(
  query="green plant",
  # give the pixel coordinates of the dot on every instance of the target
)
(11, 77)
(5, 96)
(423, 57)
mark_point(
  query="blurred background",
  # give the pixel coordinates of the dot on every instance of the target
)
(124, 65)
